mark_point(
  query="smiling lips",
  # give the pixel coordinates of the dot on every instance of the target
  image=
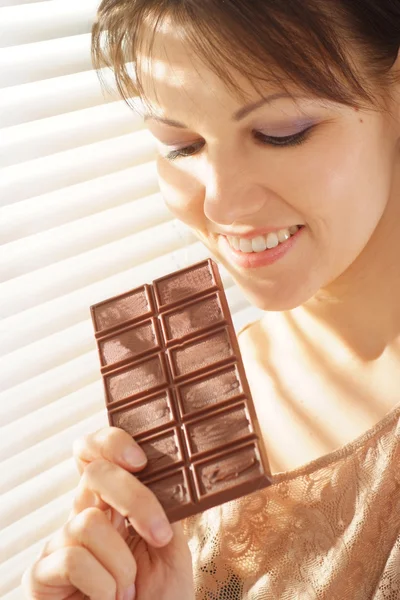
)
(262, 242)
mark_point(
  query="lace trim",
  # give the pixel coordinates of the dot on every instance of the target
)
(332, 535)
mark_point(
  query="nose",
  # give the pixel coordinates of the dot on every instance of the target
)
(232, 195)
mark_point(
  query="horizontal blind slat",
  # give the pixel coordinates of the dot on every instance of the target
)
(46, 453)
(27, 23)
(29, 290)
(32, 528)
(56, 96)
(16, 593)
(21, 143)
(42, 175)
(11, 571)
(76, 201)
(45, 354)
(44, 60)
(47, 387)
(39, 490)
(54, 417)
(18, 2)
(59, 243)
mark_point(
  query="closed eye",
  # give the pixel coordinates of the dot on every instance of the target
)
(290, 140)
(182, 152)
(287, 141)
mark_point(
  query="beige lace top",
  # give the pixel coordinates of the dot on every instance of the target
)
(328, 530)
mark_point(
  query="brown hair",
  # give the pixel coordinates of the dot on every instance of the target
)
(340, 50)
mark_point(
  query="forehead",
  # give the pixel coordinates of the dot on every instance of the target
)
(173, 75)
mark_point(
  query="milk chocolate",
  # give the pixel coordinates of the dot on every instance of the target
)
(174, 380)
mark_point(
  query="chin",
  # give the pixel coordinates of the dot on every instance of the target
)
(283, 294)
(276, 301)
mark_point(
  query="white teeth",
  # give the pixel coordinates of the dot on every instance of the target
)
(259, 244)
(262, 242)
(235, 243)
(272, 240)
(245, 245)
(283, 235)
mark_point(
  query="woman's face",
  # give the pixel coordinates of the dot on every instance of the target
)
(222, 174)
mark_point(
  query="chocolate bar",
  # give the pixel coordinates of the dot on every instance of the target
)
(174, 379)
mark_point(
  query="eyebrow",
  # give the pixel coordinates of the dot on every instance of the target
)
(238, 116)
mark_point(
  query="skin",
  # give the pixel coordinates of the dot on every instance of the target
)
(92, 555)
(335, 298)
(339, 285)
(350, 204)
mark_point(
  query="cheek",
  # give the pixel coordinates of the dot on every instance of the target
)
(348, 185)
(181, 191)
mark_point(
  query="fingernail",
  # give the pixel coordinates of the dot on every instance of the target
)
(130, 593)
(135, 456)
(161, 531)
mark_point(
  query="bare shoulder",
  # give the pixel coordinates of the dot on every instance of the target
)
(309, 400)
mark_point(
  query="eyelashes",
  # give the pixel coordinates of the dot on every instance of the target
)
(290, 140)
(277, 142)
(182, 152)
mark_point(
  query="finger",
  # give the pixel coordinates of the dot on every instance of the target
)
(85, 498)
(126, 494)
(65, 571)
(93, 531)
(178, 552)
(110, 443)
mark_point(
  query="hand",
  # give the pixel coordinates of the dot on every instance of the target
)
(92, 555)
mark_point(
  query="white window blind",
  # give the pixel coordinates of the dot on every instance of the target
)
(81, 219)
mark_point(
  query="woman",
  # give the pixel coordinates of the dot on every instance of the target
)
(278, 128)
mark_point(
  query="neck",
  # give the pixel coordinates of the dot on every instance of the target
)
(362, 307)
